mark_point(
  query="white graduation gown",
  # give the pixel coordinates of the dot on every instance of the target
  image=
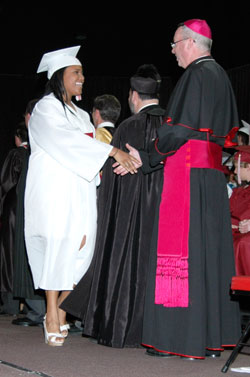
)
(60, 194)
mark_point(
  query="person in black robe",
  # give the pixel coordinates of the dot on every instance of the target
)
(188, 311)
(126, 207)
(23, 286)
(10, 175)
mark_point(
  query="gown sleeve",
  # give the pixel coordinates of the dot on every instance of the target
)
(51, 130)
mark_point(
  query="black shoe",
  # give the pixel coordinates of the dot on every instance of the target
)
(75, 329)
(26, 322)
(212, 354)
(3, 312)
(152, 352)
(188, 358)
(93, 340)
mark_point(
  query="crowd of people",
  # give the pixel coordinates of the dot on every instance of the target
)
(128, 227)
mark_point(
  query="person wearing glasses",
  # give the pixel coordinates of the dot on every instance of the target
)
(188, 311)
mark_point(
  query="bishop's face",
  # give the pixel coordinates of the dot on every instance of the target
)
(73, 80)
(180, 50)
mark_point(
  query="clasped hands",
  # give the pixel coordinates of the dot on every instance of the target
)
(120, 167)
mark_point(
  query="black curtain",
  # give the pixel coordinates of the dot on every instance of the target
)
(240, 79)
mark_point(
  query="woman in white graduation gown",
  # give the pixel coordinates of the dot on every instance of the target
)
(60, 195)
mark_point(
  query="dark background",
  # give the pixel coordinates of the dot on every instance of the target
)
(115, 40)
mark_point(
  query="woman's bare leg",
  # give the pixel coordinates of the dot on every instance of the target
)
(60, 298)
(83, 242)
(52, 318)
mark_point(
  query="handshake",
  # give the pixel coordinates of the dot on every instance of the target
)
(122, 168)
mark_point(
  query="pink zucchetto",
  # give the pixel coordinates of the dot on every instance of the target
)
(199, 26)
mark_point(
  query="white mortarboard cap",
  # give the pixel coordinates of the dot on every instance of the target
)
(246, 128)
(52, 61)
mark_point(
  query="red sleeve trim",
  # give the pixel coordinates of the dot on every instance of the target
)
(161, 153)
(228, 138)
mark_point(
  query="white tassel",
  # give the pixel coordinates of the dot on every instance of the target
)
(238, 170)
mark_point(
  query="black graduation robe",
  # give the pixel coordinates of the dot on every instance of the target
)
(203, 98)
(126, 207)
(23, 286)
(10, 176)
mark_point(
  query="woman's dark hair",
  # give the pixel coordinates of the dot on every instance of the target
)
(56, 86)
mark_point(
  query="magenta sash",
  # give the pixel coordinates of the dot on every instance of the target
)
(172, 289)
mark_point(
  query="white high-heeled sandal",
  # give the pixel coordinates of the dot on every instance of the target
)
(51, 338)
(65, 328)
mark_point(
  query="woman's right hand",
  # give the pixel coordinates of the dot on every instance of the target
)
(119, 170)
(127, 161)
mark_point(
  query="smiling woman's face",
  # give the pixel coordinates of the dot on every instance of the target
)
(73, 80)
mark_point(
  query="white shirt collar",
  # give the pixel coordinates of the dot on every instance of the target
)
(105, 124)
(150, 104)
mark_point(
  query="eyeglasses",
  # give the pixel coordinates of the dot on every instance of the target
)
(174, 43)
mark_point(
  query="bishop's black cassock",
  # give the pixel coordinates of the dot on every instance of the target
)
(201, 112)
